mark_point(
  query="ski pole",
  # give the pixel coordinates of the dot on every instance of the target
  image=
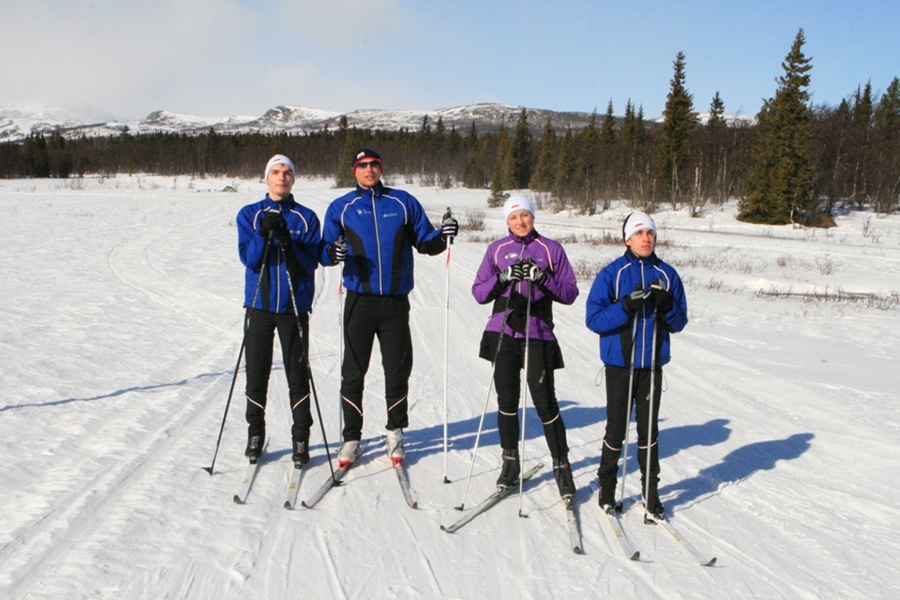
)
(634, 329)
(340, 355)
(650, 418)
(262, 267)
(447, 215)
(487, 398)
(305, 357)
(525, 395)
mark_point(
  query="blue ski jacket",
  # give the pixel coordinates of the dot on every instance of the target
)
(606, 315)
(381, 227)
(270, 272)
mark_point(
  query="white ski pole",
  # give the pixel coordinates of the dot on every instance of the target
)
(525, 396)
(447, 215)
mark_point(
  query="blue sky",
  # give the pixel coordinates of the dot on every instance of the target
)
(124, 59)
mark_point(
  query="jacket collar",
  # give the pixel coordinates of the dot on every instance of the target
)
(284, 205)
(524, 240)
(375, 191)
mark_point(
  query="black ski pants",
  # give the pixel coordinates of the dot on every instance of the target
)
(365, 318)
(259, 345)
(542, 359)
(617, 419)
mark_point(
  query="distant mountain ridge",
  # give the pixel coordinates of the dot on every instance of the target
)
(18, 121)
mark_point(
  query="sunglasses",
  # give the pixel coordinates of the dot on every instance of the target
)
(371, 163)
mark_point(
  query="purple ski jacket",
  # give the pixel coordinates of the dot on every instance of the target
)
(560, 285)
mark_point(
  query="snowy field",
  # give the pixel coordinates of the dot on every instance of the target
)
(121, 329)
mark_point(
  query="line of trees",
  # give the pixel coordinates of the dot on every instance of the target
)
(795, 163)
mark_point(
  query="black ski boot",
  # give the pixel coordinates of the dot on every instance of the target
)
(254, 448)
(301, 454)
(509, 471)
(653, 504)
(562, 472)
(608, 495)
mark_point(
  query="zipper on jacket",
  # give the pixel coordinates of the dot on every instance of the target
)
(377, 245)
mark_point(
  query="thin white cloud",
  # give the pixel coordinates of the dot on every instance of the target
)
(112, 56)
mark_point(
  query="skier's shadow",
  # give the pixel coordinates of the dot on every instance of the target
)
(736, 466)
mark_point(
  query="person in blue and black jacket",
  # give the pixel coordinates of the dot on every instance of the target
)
(372, 230)
(278, 239)
(635, 304)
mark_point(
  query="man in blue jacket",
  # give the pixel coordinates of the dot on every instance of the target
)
(635, 301)
(279, 242)
(372, 230)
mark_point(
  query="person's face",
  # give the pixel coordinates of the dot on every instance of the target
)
(642, 243)
(367, 172)
(280, 181)
(520, 222)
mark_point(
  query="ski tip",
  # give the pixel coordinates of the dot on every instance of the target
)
(460, 508)
(447, 529)
(237, 499)
(447, 480)
(635, 556)
(288, 505)
(208, 469)
(710, 562)
(304, 504)
(577, 550)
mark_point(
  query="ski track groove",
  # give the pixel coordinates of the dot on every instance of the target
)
(338, 588)
(90, 504)
(437, 590)
(158, 286)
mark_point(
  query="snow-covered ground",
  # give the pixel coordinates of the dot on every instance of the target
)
(121, 329)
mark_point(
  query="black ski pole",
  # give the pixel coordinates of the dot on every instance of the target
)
(237, 366)
(487, 396)
(305, 357)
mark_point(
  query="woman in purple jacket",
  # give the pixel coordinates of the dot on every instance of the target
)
(521, 264)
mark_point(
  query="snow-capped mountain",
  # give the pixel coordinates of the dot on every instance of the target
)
(18, 121)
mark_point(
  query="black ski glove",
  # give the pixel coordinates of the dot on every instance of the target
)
(661, 296)
(283, 236)
(337, 251)
(449, 228)
(535, 274)
(635, 300)
(512, 273)
(272, 222)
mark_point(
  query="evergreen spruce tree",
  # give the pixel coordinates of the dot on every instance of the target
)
(586, 177)
(673, 151)
(778, 189)
(521, 152)
(565, 168)
(36, 154)
(716, 163)
(861, 122)
(502, 177)
(544, 175)
(607, 161)
(343, 177)
(886, 149)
